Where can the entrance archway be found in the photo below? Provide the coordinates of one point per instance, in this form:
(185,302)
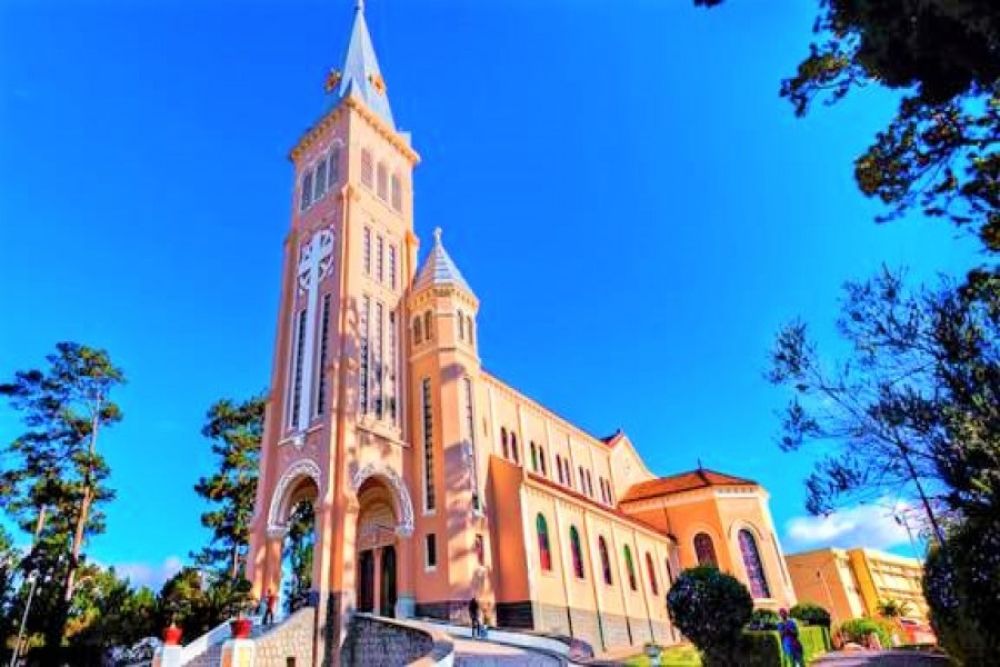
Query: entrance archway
(377,540)
(387,582)
(291,528)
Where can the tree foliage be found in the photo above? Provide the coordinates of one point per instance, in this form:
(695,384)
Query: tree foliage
(711,609)
(941,152)
(810,614)
(914,405)
(235,430)
(57,483)
(298,551)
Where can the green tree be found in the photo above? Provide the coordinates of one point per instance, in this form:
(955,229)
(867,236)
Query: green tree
(914,405)
(810,614)
(711,609)
(891,608)
(65,408)
(235,430)
(298,550)
(941,152)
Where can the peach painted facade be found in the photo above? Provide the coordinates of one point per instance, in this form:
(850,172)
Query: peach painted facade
(432,480)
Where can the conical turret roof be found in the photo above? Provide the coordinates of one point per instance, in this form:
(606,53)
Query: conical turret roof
(439,268)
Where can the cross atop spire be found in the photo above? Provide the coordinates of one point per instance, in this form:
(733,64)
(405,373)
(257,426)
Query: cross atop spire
(360,75)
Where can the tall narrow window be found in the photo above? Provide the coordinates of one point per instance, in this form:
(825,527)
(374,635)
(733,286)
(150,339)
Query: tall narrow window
(513,448)
(583,480)
(567,473)
(391,368)
(704,550)
(333,172)
(461,326)
(367,251)
(381,182)
(378,353)
(559,469)
(541,460)
(430,551)
(417,335)
(504,444)
(630,568)
(428,413)
(324,345)
(602,548)
(468,321)
(365,352)
(320,189)
(470,429)
(380,259)
(590,485)
(397,193)
(651,573)
(480,550)
(544,553)
(392,266)
(574,544)
(366,168)
(754,567)
(428,325)
(307,191)
(534,457)
(670,572)
(300,344)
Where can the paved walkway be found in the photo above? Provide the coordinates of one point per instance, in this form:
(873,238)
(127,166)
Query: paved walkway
(486,653)
(880,658)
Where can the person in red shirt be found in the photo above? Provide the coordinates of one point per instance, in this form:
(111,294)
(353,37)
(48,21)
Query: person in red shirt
(270,600)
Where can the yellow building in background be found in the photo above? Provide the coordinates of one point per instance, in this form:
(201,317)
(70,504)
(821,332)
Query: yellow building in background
(851,583)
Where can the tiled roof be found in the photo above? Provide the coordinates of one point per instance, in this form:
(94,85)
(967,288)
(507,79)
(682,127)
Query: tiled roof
(361,75)
(686,481)
(439,268)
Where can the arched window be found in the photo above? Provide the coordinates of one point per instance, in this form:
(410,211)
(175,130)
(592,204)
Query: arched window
(651,573)
(320,187)
(590,485)
(544,553)
(630,568)
(333,172)
(504,443)
(704,550)
(541,460)
(307,191)
(559,469)
(428,325)
(366,167)
(534,457)
(513,448)
(753,565)
(567,474)
(382,182)
(417,334)
(602,548)
(574,543)
(583,479)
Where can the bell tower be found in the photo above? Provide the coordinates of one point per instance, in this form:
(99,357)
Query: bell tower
(336,428)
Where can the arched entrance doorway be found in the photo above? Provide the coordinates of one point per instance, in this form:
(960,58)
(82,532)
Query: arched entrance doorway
(292,529)
(376,549)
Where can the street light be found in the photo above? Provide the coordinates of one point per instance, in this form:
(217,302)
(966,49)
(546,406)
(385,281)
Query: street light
(33,579)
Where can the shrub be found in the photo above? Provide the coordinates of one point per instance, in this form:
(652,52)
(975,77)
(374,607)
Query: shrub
(815,641)
(810,614)
(962,587)
(857,630)
(711,608)
(763,649)
(763,619)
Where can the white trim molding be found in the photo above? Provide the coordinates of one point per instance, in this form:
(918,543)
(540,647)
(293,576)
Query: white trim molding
(277,522)
(398,486)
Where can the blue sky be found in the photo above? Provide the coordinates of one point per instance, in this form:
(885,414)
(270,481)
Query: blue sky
(619,177)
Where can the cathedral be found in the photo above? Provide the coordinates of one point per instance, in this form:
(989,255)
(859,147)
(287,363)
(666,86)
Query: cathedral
(432,480)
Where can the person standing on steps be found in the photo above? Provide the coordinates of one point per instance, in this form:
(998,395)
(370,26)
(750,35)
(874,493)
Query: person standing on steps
(474,617)
(790,644)
(270,600)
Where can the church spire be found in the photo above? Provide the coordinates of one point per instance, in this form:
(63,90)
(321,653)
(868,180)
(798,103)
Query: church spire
(360,74)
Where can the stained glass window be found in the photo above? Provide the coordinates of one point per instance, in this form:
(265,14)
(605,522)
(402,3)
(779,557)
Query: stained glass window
(574,542)
(704,550)
(544,553)
(651,573)
(602,548)
(630,567)
(753,565)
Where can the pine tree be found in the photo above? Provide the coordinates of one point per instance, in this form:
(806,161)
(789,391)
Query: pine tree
(235,430)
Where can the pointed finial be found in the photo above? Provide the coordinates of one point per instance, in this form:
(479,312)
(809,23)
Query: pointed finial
(359,6)
(437,236)
(700,467)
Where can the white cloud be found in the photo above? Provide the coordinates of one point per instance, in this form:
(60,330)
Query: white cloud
(872,526)
(149,574)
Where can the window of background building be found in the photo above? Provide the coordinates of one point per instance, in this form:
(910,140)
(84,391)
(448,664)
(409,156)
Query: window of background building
(630,568)
(430,551)
(651,573)
(574,543)
(602,548)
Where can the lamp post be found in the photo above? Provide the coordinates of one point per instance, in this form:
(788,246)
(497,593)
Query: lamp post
(33,580)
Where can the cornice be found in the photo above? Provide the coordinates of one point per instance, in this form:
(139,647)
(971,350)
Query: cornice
(380,126)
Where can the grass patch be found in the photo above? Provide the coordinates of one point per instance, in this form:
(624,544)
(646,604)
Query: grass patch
(674,656)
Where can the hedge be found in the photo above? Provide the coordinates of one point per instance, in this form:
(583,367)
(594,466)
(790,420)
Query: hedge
(763,649)
(857,630)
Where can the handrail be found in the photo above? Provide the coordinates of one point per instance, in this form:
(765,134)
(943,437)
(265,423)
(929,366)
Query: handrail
(216,635)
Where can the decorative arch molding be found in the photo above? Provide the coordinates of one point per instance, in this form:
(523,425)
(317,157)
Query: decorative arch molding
(277,521)
(402,496)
